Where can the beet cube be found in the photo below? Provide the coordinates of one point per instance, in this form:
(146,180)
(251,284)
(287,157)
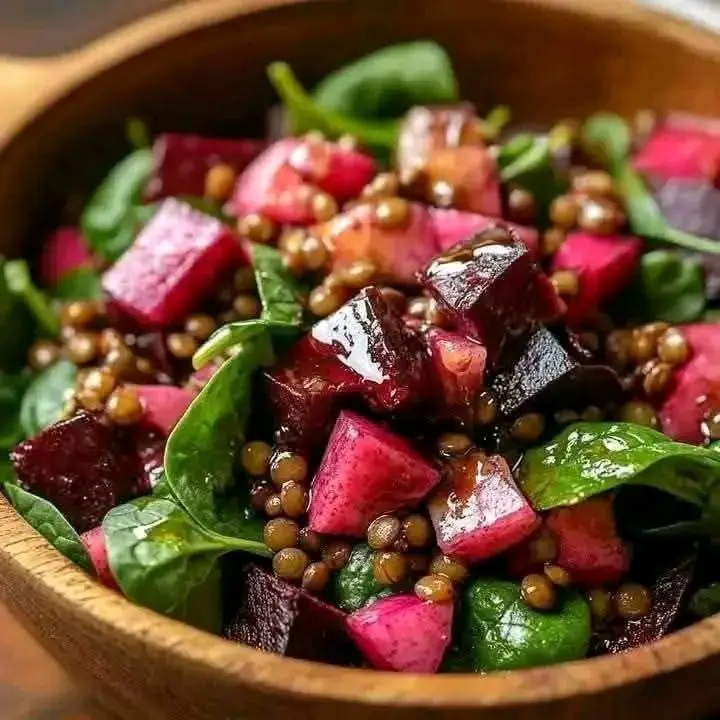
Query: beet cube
(182,161)
(173,264)
(492,286)
(64,250)
(478,511)
(277,617)
(81,466)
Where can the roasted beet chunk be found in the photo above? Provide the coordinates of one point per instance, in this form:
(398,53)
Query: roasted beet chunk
(280,618)
(81,466)
(492,286)
(363,351)
(537,372)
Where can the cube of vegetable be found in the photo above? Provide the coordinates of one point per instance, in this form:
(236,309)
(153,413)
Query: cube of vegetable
(163,405)
(64,250)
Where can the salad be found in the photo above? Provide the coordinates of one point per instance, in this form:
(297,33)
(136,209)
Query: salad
(400,386)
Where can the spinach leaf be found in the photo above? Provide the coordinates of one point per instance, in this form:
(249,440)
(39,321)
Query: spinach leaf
(355,584)
(514,148)
(388,82)
(20,284)
(113,215)
(47,396)
(495,121)
(83,283)
(671,286)
(12,390)
(501,632)
(17,326)
(44,517)
(201,450)
(162,559)
(305,114)
(590,458)
(607,137)
(706,601)
(138,134)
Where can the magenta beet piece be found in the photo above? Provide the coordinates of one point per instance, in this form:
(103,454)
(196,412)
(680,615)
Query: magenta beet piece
(365,351)
(164,405)
(63,251)
(399,254)
(277,617)
(80,466)
(604,266)
(403,633)
(182,162)
(94,541)
(366,471)
(492,286)
(478,511)
(689,205)
(537,372)
(454,227)
(694,395)
(173,264)
(458,364)
(149,447)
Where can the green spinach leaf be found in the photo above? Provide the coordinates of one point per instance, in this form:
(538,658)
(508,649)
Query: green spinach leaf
(44,517)
(17,326)
(12,390)
(388,82)
(138,134)
(47,396)
(355,584)
(115,212)
(590,458)
(20,284)
(706,601)
(83,283)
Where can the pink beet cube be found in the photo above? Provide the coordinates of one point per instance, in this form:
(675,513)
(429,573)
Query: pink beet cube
(64,250)
(183,160)
(403,633)
(478,511)
(173,264)
(604,266)
(366,471)
(164,405)
(94,541)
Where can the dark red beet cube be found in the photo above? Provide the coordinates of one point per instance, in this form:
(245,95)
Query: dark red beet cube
(281,618)
(81,466)
(492,286)
(173,264)
(183,160)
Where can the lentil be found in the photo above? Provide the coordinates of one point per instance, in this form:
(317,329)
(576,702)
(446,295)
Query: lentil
(324,300)
(558,576)
(600,217)
(455,570)
(418,307)
(78,313)
(656,377)
(389,568)
(521,206)
(182,345)
(564,212)
(632,600)
(528,427)
(392,212)
(672,347)
(100,382)
(123,406)
(565,282)
(294,498)
(453,444)
(358,275)
(290,564)
(280,533)
(43,354)
(594,182)
(552,240)
(120,360)
(640,413)
(435,588)
(244,280)
(486,408)
(273,506)
(219,182)
(314,253)
(336,554)
(543,546)
(310,541)
(257,228)
(315,577)
(255,458)
(383,532)
(82,348)
(259,494)
(287,467)
(538,592)
(200,326)
(417,530)
(324,207)
(642,346)
(247,307)
(600,604)
(592,413)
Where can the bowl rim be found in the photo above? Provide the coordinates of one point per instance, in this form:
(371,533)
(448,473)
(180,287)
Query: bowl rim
(59,580)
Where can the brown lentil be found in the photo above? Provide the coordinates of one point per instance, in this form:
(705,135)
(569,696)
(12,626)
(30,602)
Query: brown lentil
(435,589)
(418,307)
(437,315)
(450,444)
(618,348)
(592,413)
(123,406)
(383,532)
(259,494)
(82,348)
(639,412)
(656,377)
(632,600)
(200,326)
(256,227)
(528,427)
(290,564)
(89,400)
(538,592)
(389,568)
(42,354)
(294,498)
(600,217)
(383,185)
(182,345)
(552,240)
(273,506)
(120,360)
(455,570)
(543,546)
(655,330)
(324,300)
(563,417)
(255,458)
(336,554)
(100,382)
(287,467)
(521,206)
(358,275)
(109,339)
(565,282)
(244,280)
(558,575)
(78,313)
(310,541)
(594,182)
(324,207)
(280,533)
(486,408)
(642,346)
(417,530)
(564,212)
(246,307)
(315,577)
(672,347)
(392,212)
(600,604)
(219,182)
(314,253)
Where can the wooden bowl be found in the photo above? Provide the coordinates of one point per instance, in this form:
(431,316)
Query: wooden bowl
(201,66)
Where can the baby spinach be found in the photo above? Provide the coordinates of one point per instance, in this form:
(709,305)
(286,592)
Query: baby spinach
(706,601)
(12,390)
(608,138)
(164,560)
(138,134)
(500,632)
(83,283)
(20,284)
(589,458)
(114,213)
(47,396)
(44,517)
(17,326)
(355,584)
(388,82)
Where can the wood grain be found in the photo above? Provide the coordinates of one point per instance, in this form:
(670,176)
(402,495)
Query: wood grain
(202,67)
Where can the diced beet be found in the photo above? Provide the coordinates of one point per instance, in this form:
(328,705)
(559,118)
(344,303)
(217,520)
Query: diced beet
(173,264)
(604,265)
(364,351)
(366,471)
(277,617)
(63,251)
(81,466)
(163,405)
(689,205)
(94,541)
(679,152)
(340,172)
(200,378)
(149,446)
(399,254)
(459,368)
(181,162)
(536,372)
(492,286)
(478,511)
(403,633)
(694,395)
(588,545)
(454,227)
